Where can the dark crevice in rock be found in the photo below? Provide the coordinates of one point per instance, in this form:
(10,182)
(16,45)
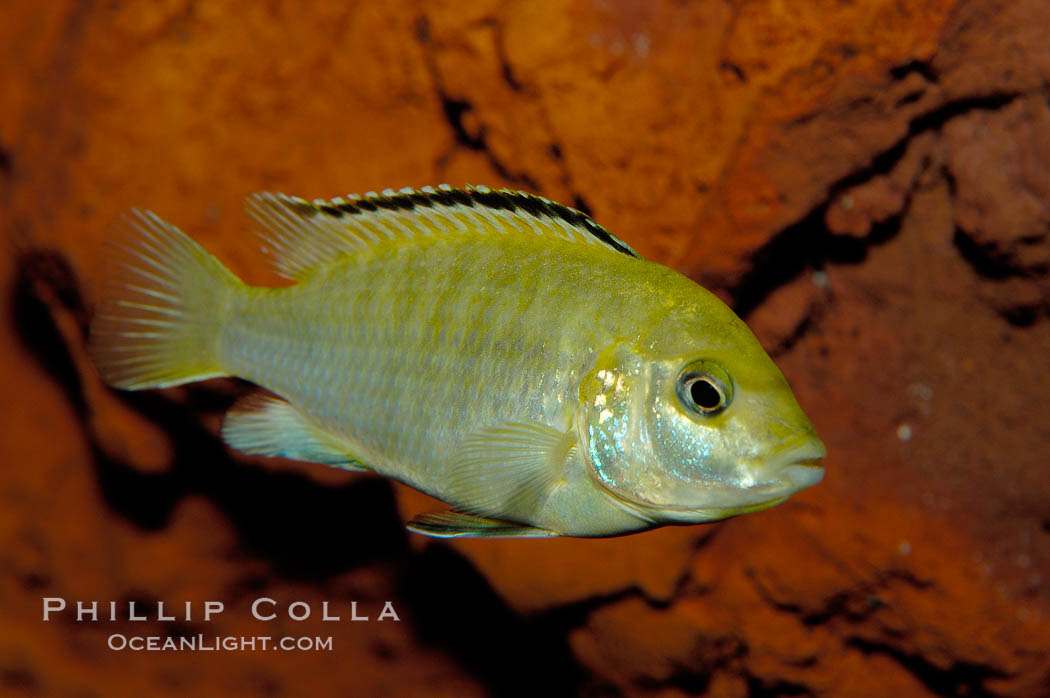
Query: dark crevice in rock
(985,259)
(884,162)
(997,267)
(933,120)
(756,688)
(951,181)
(846,249)
(809,322)
(809,244)
(6,163)
(574,613)
(706,658)
(910,98)
(853,604)
(784,257)
(961,679)
(685,583)
(508,75)
(926,70)
(1021,315)
(45,275)
(766,596)
(734,70)
(859,603)
(455,109)
(836,606)
(506,69)
(691,682)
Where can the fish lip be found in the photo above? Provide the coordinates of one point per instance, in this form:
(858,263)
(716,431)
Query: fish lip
(798,466)
(803,474)
(808,453)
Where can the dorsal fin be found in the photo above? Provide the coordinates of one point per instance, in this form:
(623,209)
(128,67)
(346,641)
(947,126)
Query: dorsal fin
(303,235)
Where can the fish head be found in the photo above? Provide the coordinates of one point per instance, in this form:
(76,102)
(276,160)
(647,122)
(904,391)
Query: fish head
(685,427)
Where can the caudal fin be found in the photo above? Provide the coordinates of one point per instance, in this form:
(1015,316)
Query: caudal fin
(162,309)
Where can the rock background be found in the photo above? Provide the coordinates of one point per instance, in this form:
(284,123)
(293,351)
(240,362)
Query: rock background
(867,182)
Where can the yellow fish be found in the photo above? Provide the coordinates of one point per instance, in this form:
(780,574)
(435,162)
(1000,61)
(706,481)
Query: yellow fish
(494,349)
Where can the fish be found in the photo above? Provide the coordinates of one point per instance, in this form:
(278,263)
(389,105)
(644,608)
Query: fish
(496,350)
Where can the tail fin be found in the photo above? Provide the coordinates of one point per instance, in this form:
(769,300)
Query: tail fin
(162,310)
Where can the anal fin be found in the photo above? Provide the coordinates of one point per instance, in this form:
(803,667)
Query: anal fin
(269,426)
(454,524)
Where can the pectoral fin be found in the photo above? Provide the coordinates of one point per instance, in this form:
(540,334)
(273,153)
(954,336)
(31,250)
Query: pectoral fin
(509,470)
(454,524)
(269,426)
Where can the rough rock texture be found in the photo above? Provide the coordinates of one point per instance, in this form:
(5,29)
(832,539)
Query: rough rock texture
(868,182)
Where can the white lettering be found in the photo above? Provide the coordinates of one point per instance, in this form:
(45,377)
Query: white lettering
(131,613)
(324,612)
(50,606)
(353,612)
(211,607)
(388,612)
(82,610)
(117,642)
(305,613)
(160,612)
(255,608)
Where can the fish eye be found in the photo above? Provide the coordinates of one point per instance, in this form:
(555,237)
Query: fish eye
(704,388)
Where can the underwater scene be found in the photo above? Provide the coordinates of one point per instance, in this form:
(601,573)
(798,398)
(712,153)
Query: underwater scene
(574,348)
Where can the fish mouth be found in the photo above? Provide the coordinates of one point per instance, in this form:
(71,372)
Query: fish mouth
(799,467)
(803,474)
(787,471)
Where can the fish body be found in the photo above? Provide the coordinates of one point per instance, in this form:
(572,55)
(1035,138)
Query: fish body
(496,350)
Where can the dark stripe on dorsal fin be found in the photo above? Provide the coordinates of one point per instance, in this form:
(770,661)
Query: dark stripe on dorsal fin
(539,207)
(303,235)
